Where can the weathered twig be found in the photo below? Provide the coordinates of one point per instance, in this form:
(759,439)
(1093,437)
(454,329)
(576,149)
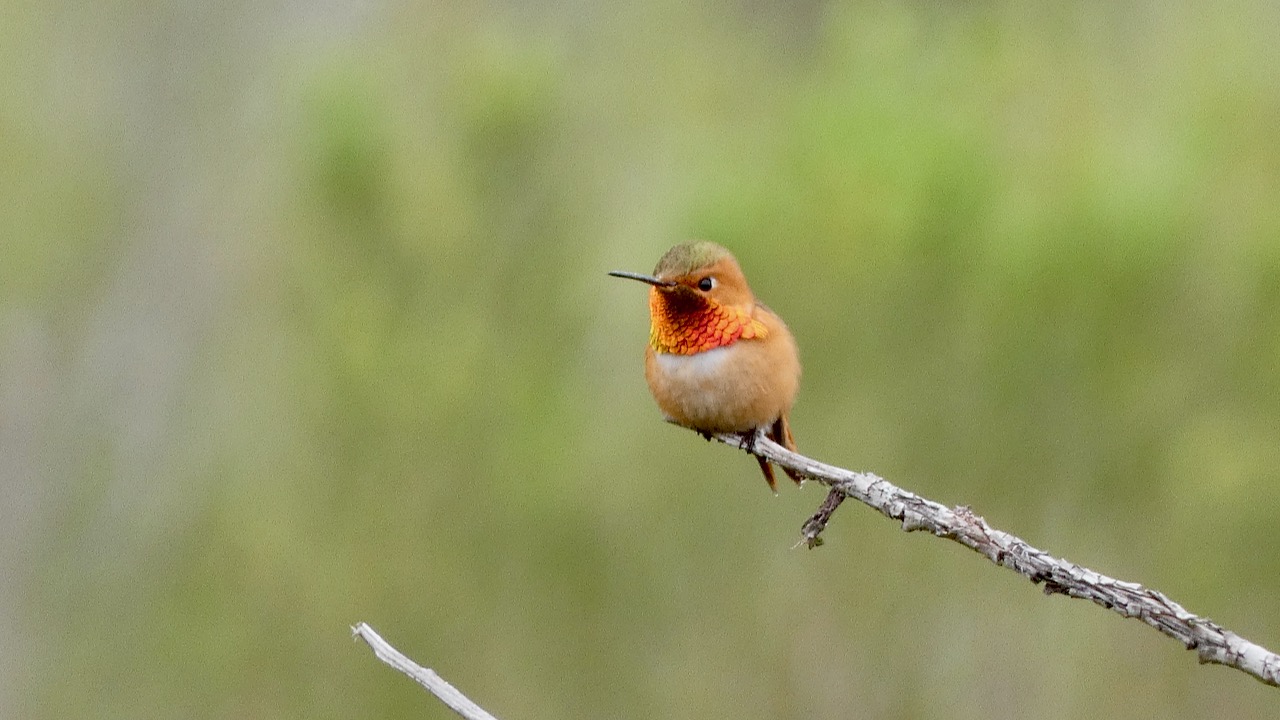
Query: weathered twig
(1212,642)
(425,677)
(811,531)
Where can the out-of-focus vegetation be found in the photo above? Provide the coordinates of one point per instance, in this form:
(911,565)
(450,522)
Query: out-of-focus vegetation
(304,321)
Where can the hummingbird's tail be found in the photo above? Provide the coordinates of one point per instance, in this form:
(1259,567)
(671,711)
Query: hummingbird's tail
(767,469)
(782,436)
(779,432)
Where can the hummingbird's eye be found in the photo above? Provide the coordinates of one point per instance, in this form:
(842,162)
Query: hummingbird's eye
(706,283)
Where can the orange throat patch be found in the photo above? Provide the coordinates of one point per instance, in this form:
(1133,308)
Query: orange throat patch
(684,326)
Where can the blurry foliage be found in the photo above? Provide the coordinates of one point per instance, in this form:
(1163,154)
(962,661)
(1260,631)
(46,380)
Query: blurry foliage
(1030,254)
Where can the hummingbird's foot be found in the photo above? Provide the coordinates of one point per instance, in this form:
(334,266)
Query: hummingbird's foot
(705,435)
(749,438)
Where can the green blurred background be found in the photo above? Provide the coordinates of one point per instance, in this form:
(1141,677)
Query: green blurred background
(304,321)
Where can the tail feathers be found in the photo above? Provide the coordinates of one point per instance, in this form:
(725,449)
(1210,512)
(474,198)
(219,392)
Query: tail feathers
(782,436)
(767,469)
(779,432)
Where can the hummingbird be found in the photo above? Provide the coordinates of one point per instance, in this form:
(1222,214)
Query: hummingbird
(719,360)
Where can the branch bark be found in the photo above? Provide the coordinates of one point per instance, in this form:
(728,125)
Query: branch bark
(1212,642)
(425,677)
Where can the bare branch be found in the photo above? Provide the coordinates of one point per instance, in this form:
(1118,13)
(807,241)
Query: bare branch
(1212,642)
(425,677)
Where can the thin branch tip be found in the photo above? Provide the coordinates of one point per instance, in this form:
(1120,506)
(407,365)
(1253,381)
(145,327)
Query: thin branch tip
(425,677)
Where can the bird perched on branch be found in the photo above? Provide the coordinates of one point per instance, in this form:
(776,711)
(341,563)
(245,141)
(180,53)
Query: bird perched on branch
(718,360)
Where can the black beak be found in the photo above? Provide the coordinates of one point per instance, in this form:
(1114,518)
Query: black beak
(643,278)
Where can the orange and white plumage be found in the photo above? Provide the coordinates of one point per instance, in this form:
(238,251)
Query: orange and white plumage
(718,360)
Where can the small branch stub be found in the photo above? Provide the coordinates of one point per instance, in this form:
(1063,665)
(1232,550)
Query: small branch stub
(811,531)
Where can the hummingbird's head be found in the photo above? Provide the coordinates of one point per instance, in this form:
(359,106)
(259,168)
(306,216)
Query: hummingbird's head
(694,274)
(699,299)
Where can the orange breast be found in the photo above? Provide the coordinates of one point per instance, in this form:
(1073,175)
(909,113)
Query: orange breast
(684,327)
(745,383)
